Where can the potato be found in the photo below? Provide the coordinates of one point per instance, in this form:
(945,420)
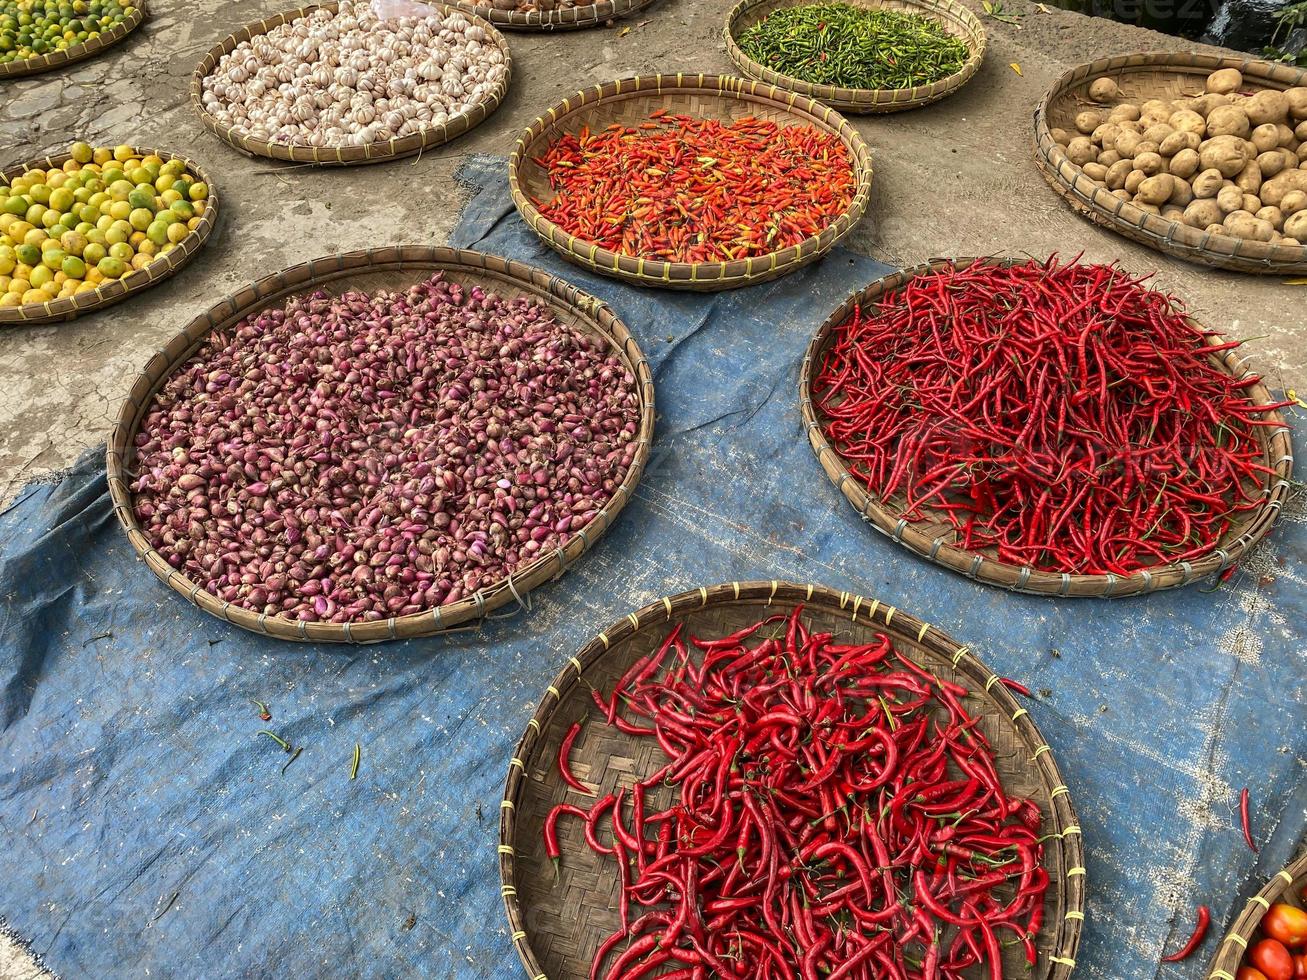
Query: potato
(1200,214)
(1297,101)
(1205,104)
(1133,180)
(1229,199)
(1146,146)
(1289,241)
(1274,215)
(1145,206)
(1123,113)
(1225,81)
(1300,131)
(1249,179)
(1122,194)
(1117,173)
(1149,163)
(1289,136)
(1207,183)
(1251,203)
(1173,213)
(1060,136)
(1267,106)
(1295,226)
(1157,132)
(1081,150)
(1302,152)
(1104,90)
(1156,189)
(1265,137)
(1088,121)
(1126,141)
(1180,139)
(1241,224)
(1109,157)
(1095,171)
(1273,190)
(1217,229)
(1131,125)
(1187,121)
(1184,164)
(1228,120)
(1293,202)
(1105,135)
(1181,194)
(1270,163)
(1227,156)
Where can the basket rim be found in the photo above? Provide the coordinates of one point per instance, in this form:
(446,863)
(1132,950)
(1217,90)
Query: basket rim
(894,621)
(1086,195)
(115,290)
(554,20)
(78,52)
(344,155)
(551,290)
(864,99)
(983,568)
(656,272)
(1233,946)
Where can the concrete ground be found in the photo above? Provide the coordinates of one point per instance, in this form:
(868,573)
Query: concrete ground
(957,178)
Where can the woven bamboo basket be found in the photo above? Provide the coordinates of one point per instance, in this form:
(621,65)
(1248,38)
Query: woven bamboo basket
(953,16)
(556,928)
(1287,886)
(1157,75)
(344,156)
(115,290)
(629,101)
(77,52)
(389,267)
(571,19)
(934,538)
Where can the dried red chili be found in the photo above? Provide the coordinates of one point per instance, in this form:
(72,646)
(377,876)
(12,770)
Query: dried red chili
(683,189)
(1065,416)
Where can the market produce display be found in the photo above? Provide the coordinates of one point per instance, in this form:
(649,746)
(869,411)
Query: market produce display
(1281,952)
(834,810)
(852,46)
(370,455)
(1223,162)
(340,76)
(102,215)
(1060,416)
(684,189)
(36,28)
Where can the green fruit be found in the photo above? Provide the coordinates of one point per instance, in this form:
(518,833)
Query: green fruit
(157,232)
(184,210)
(140,218)
(15,205)
(81,152)
(141,199)
(28,254)
(111,268)
(61,199)
(199,192)
(73,267)
(53,258)
(121,251)
(94,252)
(40,193)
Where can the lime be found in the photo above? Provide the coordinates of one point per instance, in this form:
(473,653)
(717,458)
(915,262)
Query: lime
(120,190)
(53,259)
(7,260)
(81,152)
(111,268)
(40,193)
(183,209)
(41,275)
(177,232)
(35,213)
(118,232)
(120,210)
(141,199)
(121,251)
(157,232)
(94,252)
(73,267)
(140,218)
(73,242)
(35,237)
(199,191)
(15,205)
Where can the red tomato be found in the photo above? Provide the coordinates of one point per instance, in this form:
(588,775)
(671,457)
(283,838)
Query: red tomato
(1272,959)
(1300,967)
(1248,973)
(1286,923)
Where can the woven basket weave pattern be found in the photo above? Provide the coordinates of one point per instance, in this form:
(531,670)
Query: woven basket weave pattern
(629,102)
(954,17)
(388,267)
(1287,886)
(935,539)
(344,156)
(1157,75)
(571,19)
(115,290)
(557,928)
(77,52)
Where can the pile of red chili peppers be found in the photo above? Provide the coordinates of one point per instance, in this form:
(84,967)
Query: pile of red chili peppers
(832,811)
(1066,416)
(682,189)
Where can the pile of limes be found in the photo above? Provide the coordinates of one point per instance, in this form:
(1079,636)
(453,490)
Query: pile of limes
(102,215)
(30,28)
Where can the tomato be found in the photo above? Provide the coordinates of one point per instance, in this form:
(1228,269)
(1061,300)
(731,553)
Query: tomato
(1300,967)
(1272,959)
(1286,923)
(1248,973)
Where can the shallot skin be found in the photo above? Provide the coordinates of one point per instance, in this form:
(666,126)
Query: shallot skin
(359,457)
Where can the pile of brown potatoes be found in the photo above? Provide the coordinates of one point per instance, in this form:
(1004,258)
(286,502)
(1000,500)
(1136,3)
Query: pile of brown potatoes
(1225,162)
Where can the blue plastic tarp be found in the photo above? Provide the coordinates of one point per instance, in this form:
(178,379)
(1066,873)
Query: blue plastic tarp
(147,830)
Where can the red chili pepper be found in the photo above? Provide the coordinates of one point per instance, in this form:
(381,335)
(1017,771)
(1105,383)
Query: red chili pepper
(1017,686)
(564,766)
(1195,939)
(1244,820)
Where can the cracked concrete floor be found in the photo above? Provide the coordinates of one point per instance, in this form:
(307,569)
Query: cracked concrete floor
(954,179)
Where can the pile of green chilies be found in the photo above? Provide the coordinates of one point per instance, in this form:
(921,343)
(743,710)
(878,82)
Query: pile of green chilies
(854,47)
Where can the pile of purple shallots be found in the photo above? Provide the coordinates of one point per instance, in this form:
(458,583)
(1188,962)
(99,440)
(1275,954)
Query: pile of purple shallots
(365,456)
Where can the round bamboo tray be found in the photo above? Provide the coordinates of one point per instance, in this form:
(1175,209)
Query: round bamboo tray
(630,101)
(1157,75)
(344,156)
(556,928)
(384,268)
(951,15)
(115,290)
(934,538)
(78,52)
(574,18)
(1285,887)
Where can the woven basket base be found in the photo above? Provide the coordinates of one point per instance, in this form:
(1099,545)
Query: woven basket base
(573,19)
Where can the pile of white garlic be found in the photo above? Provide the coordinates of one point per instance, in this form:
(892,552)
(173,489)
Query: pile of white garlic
(349,78)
